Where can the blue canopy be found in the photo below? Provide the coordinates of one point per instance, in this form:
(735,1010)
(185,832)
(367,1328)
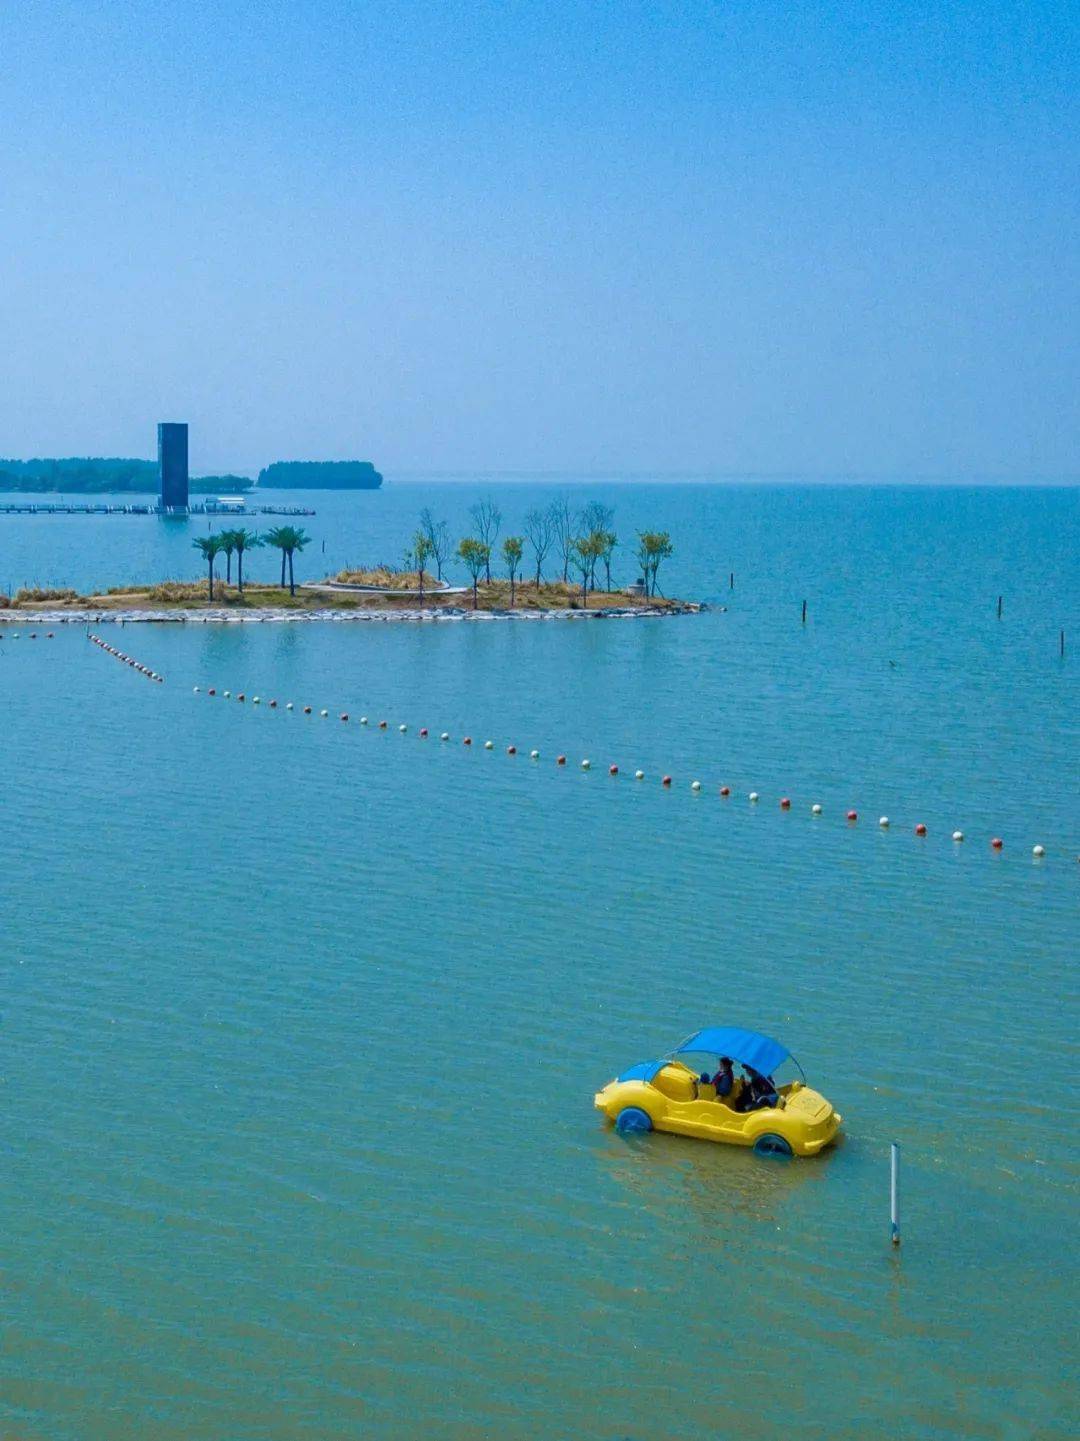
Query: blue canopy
(748,1047)
(643,1071)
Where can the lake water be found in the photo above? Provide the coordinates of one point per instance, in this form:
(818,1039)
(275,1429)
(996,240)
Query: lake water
(302,1021)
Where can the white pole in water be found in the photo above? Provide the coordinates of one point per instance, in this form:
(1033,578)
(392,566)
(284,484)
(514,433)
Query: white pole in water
(894,1228)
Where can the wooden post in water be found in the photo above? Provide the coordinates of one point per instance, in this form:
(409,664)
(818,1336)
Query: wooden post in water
(1000,599)
(894,1194)
(804,612)
(731,581)
(1062,640)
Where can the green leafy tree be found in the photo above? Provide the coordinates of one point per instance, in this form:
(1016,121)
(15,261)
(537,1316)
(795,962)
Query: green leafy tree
(243,541)
(210,548)
(595,519)
(584,554)
(423,550)
(288,539)
(654,546)
(513,548)
(476,555)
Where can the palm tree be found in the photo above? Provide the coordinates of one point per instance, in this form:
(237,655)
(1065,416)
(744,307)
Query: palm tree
(287,539)
(243,540)
(275,540)
(228,546)
(211,547)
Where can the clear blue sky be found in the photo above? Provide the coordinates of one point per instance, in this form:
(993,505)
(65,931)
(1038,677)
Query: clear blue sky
(749,237)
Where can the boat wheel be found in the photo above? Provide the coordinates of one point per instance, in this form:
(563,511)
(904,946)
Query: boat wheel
(772,1145)
(632,1121)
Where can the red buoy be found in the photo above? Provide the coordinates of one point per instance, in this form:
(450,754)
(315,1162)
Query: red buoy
(211,691)
(920,829)
(240,696)
(344,715)
(307,710)
(382,725)
(785,803)
(725,790)
(511,750)
(560,760)
(467,741)
(273,704)
(853,815)
(997,843)
(613,770)
(423,730)
(666,781)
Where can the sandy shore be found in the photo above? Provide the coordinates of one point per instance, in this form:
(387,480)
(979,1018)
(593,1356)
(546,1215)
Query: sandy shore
(26,616)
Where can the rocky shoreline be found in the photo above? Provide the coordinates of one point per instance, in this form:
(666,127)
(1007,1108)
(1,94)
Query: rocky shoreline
(228,616)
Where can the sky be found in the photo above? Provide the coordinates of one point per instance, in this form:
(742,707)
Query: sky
(741,239)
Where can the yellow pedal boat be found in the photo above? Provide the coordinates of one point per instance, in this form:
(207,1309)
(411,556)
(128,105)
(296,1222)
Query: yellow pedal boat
(667,1095)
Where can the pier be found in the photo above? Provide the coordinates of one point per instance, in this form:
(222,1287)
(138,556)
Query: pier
(31,507)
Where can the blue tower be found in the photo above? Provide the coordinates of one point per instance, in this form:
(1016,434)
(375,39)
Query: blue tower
(172,454)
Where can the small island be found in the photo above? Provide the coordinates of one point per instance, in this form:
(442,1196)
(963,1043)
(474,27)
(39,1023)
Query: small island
(578,547)
(333,599)
(320,475)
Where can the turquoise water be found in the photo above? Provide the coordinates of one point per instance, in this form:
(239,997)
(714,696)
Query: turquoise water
(302,1021)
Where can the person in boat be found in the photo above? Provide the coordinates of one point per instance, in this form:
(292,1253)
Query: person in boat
(724,1080)
(759,1091)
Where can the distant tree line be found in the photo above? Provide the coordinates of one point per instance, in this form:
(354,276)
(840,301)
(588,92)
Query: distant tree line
(85,475)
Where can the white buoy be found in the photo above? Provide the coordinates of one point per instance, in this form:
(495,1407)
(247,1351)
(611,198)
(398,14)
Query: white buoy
(324,713)
(884,823)
(254,700)
(1038,850)
(288,705)
(226,694)
(815,810)
(534,755)
(585,765)
(195,689)
(489,745)
(403,729)
(639,775)
(445,736)
(695,785)
(363,720)
(753,795)
(958,835)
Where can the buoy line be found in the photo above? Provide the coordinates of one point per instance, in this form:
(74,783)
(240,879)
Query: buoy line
(695,787)
(126,659)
